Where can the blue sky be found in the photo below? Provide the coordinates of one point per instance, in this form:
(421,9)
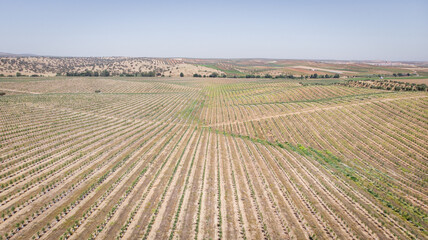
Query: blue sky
(308,29)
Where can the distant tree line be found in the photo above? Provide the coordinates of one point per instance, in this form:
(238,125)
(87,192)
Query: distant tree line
(291,76)
(148,74)
(388,75)
(386,85)
(315,75)
(18,74)
(106,73)
(401,74)
(212,75)
(87,73)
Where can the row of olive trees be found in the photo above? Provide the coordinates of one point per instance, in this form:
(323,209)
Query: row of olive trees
(290,76)
(106,73)
(87,73)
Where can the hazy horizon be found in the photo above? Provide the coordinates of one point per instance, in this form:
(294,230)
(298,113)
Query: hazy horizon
(220,58)
(315,30)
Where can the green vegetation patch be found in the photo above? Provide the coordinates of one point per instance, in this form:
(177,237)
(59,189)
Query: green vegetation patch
(375,183)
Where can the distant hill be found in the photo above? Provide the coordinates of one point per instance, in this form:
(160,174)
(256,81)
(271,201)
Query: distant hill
(3,54)
(116,66)
(31,64)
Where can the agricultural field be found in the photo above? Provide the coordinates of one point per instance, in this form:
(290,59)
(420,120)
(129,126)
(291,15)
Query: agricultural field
(297,68)
(210,158)
(39,66)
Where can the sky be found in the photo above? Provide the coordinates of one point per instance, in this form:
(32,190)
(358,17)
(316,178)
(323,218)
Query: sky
(388,30)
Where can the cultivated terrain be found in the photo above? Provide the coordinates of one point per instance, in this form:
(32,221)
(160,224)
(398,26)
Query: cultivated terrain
(11,65)
(211,158)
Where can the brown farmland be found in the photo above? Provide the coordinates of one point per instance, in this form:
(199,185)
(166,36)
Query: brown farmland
(210,158)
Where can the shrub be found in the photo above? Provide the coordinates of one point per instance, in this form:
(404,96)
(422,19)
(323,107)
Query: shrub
(213,75)
(421,87)
(105,73)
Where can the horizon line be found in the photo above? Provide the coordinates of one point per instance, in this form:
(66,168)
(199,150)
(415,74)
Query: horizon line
(7,54)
